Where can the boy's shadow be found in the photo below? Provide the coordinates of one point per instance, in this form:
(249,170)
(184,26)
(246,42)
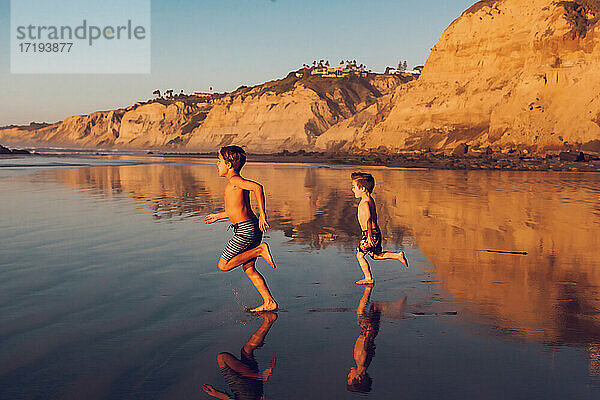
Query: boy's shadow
(364,348)
(242,375)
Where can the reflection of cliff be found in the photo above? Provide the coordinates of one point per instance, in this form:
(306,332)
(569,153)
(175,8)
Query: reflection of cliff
(551,295)
(166,191)
(312,206)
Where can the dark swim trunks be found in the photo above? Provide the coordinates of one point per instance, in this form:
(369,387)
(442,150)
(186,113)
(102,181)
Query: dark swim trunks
(243,388)
(246,235)
(364,247)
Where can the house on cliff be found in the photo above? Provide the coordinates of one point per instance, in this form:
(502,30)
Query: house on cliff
(341,72)
(393,71)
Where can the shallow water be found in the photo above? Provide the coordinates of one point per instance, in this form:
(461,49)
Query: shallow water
(109,287)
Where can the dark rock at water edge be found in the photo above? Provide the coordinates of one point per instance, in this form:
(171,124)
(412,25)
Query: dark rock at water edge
(4,150)
(15,151)
(572,156)
(460,150)
(474,159)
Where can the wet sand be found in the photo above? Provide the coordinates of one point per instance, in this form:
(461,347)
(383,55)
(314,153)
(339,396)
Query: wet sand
(109,287)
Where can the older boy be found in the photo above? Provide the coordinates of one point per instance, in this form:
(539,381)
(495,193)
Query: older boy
(370,242)
(245,245)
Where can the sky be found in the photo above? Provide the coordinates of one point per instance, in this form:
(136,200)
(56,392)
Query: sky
(197,44)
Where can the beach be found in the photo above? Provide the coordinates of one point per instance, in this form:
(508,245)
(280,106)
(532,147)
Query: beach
(110,288)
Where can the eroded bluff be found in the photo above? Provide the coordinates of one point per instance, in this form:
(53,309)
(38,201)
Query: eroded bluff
(285,114)
(505,74)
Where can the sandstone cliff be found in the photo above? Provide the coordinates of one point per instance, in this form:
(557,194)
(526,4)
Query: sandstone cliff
(506,73)
(285,114)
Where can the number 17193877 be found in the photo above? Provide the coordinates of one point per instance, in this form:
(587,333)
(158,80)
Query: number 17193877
(62,47)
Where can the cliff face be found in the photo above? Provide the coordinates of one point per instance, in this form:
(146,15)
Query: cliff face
(83,130)
(286,114)
(506,73)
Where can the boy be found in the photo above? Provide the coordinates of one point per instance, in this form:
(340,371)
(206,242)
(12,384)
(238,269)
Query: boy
(370,242)
(245,245)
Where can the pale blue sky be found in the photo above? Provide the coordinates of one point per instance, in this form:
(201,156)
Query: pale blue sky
(226,43)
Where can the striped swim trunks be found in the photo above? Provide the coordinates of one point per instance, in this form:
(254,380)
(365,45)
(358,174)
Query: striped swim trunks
(246,236)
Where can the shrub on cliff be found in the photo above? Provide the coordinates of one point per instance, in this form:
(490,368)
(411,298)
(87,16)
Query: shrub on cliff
(576,14)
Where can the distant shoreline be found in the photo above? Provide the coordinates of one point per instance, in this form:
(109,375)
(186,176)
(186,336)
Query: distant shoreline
(494,161)
(566,161)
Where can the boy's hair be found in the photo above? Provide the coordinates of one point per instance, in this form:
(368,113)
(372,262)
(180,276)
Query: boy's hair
(364,181)
(234,155)
(361,384)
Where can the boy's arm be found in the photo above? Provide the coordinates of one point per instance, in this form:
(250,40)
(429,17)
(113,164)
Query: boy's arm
(248,372)
(215,393)
(259,194)
(210,218)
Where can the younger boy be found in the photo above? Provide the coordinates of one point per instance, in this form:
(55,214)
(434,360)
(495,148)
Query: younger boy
(370,242)
(245,245)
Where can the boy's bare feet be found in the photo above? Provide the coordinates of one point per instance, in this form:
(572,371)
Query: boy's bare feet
(267,306)
(402,259)
(265,253)
(269,316)
(365,282)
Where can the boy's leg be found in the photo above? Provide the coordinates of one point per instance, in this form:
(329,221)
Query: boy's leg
(386,255)
(257,339)
(364,265)
(262,250)
(269,303)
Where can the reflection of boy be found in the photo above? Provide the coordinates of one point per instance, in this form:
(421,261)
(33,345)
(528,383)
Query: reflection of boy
(242,375)
(370,242)
(245,245)
(364,348)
